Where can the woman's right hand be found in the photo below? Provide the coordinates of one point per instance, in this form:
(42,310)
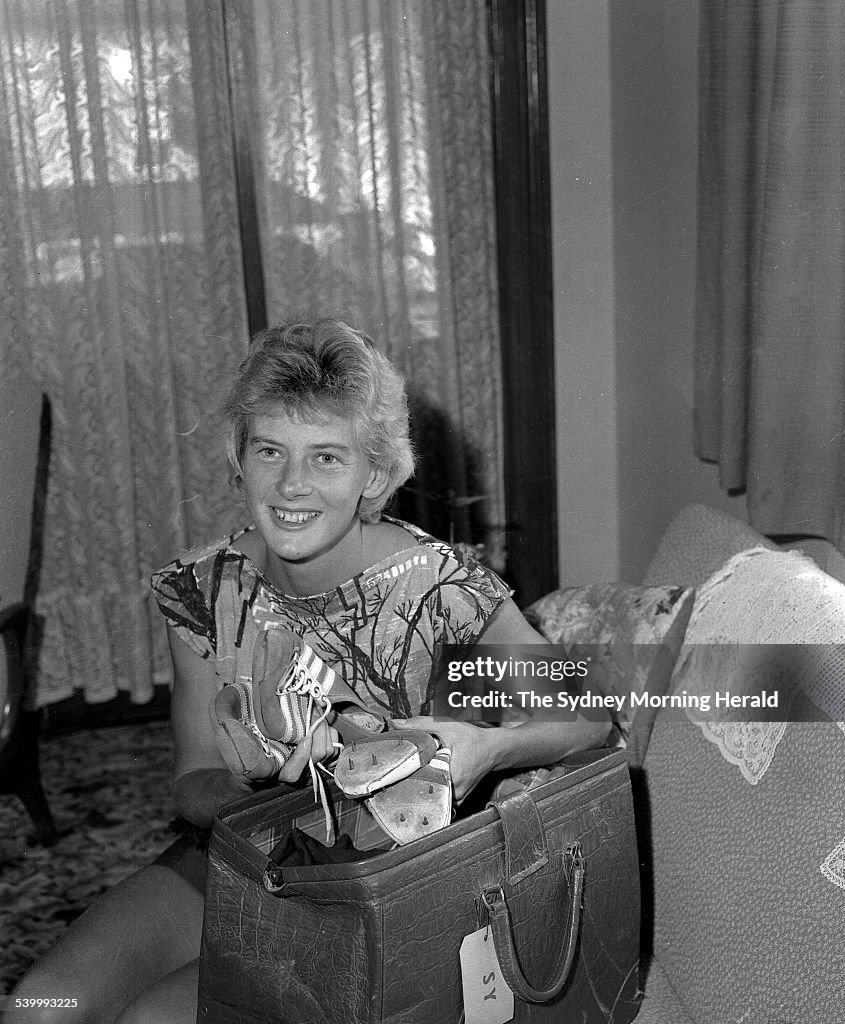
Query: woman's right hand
(253,732)
(319,746)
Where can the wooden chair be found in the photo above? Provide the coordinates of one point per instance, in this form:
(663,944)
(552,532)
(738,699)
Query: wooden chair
(24,446)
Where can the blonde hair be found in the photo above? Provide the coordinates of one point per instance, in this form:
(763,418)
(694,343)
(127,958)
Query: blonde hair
(320,366)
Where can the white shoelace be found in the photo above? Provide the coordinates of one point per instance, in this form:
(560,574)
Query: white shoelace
(298,680)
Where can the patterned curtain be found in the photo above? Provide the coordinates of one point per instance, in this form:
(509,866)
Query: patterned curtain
(120,293)
(121,271)
(376,201)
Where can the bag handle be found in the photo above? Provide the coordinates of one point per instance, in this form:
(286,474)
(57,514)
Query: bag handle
(526,850)
(500,925)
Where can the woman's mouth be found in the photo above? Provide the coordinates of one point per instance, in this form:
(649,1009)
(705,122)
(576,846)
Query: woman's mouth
(294,518)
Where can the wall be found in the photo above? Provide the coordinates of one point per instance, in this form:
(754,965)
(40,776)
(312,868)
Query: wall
(582,250)
(623,108)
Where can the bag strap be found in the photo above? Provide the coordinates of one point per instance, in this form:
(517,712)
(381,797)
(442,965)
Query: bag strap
(500,925)
(525,839)
(526,850)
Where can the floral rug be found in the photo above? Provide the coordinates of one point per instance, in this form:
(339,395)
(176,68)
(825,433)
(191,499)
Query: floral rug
(109,791)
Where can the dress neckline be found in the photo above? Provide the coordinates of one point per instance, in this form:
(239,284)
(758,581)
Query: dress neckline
(419,538)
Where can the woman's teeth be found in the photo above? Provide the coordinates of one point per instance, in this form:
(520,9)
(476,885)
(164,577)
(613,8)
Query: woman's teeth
(295,517)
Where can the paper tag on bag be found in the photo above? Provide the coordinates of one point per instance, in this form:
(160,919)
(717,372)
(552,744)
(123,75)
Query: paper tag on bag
(487,999)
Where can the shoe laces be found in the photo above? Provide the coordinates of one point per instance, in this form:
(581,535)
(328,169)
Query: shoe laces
(300,680)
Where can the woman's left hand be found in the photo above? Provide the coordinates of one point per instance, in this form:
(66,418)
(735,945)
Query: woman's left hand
(472,749)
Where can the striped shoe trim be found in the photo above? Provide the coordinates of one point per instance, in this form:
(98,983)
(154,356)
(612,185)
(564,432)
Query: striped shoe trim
(317,669)
(308,674)
(304,688)
(293,708)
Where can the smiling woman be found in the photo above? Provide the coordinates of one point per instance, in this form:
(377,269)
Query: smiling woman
(318,433)
(304,479)
(355,604)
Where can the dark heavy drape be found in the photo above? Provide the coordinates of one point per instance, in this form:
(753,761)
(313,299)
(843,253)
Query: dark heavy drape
(770,335)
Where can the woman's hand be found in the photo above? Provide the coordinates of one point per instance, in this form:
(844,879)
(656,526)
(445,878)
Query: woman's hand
(477,751)
(319,746)
(473,749)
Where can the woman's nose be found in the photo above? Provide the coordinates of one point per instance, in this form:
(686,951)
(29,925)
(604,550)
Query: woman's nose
(293,480)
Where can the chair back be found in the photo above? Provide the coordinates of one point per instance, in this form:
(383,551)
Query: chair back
(21,409)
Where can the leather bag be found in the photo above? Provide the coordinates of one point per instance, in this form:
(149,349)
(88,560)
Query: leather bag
(550,874)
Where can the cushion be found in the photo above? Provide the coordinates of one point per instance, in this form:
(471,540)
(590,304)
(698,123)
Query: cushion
(631,635)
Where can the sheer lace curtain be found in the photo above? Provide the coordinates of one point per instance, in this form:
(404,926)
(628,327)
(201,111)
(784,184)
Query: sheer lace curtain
(376,194)
(121,272)
(374,152)
(121,296)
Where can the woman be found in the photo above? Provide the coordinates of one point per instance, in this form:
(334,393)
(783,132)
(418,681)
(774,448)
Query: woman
(318,434)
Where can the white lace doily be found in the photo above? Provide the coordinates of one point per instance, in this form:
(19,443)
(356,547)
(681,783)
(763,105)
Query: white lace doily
(744,615)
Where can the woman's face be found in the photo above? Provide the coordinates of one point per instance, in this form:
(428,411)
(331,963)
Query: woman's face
(304,478)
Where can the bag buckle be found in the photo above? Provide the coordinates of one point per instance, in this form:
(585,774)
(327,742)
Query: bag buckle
(273,879)
(573,859)
(492,895)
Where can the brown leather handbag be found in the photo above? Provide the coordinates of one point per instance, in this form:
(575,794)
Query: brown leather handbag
(548,876)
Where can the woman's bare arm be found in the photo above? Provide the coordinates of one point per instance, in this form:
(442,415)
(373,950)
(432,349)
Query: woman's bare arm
(202,783)
(476,751)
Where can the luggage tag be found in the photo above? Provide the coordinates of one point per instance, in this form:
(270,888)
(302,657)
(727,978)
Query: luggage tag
(487,998)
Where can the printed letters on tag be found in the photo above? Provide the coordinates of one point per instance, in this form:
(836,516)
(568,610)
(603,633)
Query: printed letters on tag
(487,999)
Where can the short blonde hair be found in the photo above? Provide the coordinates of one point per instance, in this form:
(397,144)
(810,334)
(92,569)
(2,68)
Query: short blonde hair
(320,366)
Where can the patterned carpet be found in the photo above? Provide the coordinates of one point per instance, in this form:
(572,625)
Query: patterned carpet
(109,791)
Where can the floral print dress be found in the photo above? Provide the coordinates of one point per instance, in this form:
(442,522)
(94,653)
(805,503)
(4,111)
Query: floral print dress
(379,631)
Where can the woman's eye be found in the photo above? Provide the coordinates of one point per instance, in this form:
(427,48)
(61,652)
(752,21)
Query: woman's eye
(326,459)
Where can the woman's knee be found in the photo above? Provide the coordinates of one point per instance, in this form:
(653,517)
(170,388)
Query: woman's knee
(138,932)
(173,1000)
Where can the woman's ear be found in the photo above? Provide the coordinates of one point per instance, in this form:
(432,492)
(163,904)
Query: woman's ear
(376,482)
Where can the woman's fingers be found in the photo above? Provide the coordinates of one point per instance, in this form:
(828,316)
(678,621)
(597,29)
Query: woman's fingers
(470,747)
(316,747)
(323,742)
(296,763)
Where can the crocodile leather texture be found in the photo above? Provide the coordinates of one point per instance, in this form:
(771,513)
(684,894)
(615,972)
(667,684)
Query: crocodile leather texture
(377,941)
